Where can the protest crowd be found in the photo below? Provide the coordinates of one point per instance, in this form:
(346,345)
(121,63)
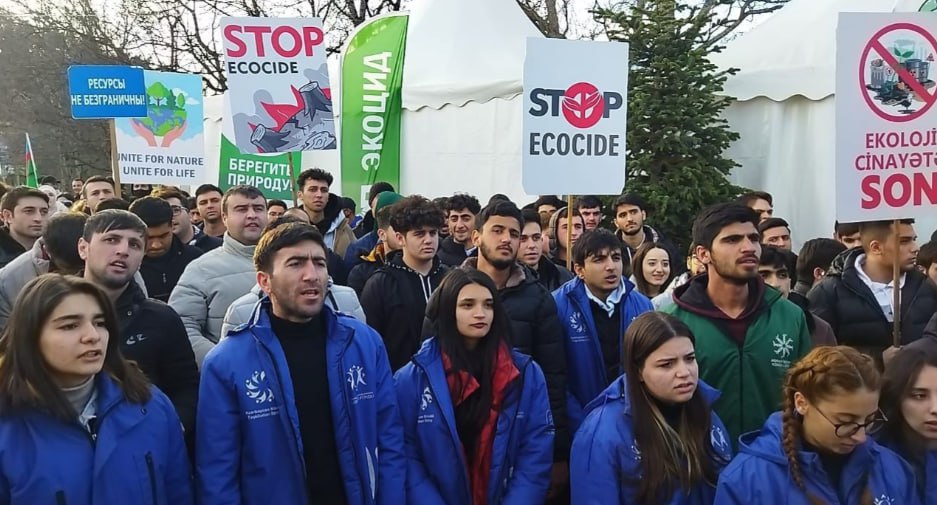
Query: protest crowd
(222,348)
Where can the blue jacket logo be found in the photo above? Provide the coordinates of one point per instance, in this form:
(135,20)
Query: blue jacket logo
(718,439)
(884,500)
(576,324)
(356,377)
(257,389)
(426,399)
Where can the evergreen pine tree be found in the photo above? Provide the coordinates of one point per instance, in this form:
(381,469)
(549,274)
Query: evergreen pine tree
(676,137)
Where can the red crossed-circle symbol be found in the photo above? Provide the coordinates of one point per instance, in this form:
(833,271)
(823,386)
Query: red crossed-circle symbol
(876,45)
(583,105)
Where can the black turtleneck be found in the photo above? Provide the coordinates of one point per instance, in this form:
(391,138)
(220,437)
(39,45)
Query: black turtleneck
(832,463)
(304,347)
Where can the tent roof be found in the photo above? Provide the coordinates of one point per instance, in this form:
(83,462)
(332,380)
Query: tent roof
(794,51)
(460,51)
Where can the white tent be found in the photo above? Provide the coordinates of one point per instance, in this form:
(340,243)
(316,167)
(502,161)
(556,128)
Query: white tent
(784,109)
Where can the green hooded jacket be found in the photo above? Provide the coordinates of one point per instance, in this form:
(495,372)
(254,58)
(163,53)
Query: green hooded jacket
(749,369)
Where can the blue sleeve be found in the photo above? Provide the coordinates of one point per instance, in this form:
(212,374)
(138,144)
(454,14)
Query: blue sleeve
(595,475)
(217,438)
(531,478)
(177,477)
(392,471)
(420,488)
(732,488)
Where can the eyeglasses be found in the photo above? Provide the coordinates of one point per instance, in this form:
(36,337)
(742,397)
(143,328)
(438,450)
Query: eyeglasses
(177,209)
(846,430)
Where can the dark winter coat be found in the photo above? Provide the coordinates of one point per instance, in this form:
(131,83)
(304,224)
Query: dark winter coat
(394,302)
(9,247)
(368,264)
(161,274)
(359,248)
(152,335)
(334,227)
(536,331)
(846,302)
(204,242)
(551,275)
(451,253)
(652,235)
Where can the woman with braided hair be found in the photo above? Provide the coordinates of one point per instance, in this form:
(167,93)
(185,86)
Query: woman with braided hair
(817,450)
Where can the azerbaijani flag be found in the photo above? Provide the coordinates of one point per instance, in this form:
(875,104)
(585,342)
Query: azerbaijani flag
(32,175)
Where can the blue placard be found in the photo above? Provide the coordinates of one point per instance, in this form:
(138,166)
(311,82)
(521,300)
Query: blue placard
(106,91)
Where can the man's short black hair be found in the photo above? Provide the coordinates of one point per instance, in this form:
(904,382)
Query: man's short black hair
(113,204)
(552,200)
(588,202)
(777,258)
(167,192)
(382,218)
(284,235)
(927,255)
(746,199)
(501,209)
(772,222)
(97,178)
(594,242)
(714,218)
(415,212)
(314,174)
(817,253)
(276,203)
(498,197)
(378,188)
(60,239)
(79,179)
(12,198)
(348,203)
(629,199)
(284,219)
(249,192)
(531,216)
(207,188)
(878,230)
(845,229)
(112,220)
(153,211)
(461,201)
(190,203)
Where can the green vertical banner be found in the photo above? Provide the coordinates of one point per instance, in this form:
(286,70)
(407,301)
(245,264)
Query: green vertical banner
(372,75)
(270,173)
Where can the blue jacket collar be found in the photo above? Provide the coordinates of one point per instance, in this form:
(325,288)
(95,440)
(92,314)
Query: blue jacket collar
(576,289)
(260,320)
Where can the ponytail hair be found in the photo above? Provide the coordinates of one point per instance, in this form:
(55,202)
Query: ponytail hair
(822,374)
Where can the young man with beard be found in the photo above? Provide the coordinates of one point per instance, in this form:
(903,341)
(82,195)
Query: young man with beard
(182,226)
(166,256)
(96,190)
(298,405)
(460,217)
(25,211)
(590,207)
(208,202)
(559,223)
(856,295)
(630,214)
(394,298)
(151,333)
(747,336)
(211,282)
(595,310)
(549,274)
(370,261)
(775,232)
(325,209)
(536,329)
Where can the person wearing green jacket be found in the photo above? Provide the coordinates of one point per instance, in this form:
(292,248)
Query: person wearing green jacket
(747,333)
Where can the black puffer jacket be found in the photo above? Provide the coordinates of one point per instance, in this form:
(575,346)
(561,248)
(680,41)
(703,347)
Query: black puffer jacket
(846,302)
(536,331)
(9,248)
(152,335)
(451,253)
(394,302)
(161,274)
(551,275)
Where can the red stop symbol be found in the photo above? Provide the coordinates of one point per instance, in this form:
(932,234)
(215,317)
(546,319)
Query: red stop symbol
(583,105)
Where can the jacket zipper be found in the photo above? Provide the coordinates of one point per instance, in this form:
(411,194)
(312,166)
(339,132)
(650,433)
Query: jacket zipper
(150,468)
(60,498)
(507,466)
(455,445)
(351,422)
(596,342)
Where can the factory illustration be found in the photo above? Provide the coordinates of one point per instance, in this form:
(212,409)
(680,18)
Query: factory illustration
(890,88)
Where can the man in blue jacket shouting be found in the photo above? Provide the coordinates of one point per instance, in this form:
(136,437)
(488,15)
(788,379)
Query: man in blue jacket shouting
(595,309)
(298,405)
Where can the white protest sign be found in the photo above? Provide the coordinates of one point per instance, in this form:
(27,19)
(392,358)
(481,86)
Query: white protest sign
(167,146)
(575,95)
(886,126)
(278,82)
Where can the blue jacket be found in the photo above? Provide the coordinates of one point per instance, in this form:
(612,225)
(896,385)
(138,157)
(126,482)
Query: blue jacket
(760,474)
(363,245)
(586,376)
(925,468)
(437,473)
(605,453)
(138,455)
(248,445)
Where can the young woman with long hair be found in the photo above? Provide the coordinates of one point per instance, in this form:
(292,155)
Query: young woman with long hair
(652,436)
(78,423)
(817,450)
(909,400)
(652,269)
(476,416)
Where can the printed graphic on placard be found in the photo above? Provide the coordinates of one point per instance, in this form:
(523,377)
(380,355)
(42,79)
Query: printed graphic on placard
(897,72)
(166,146)
(279,84)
